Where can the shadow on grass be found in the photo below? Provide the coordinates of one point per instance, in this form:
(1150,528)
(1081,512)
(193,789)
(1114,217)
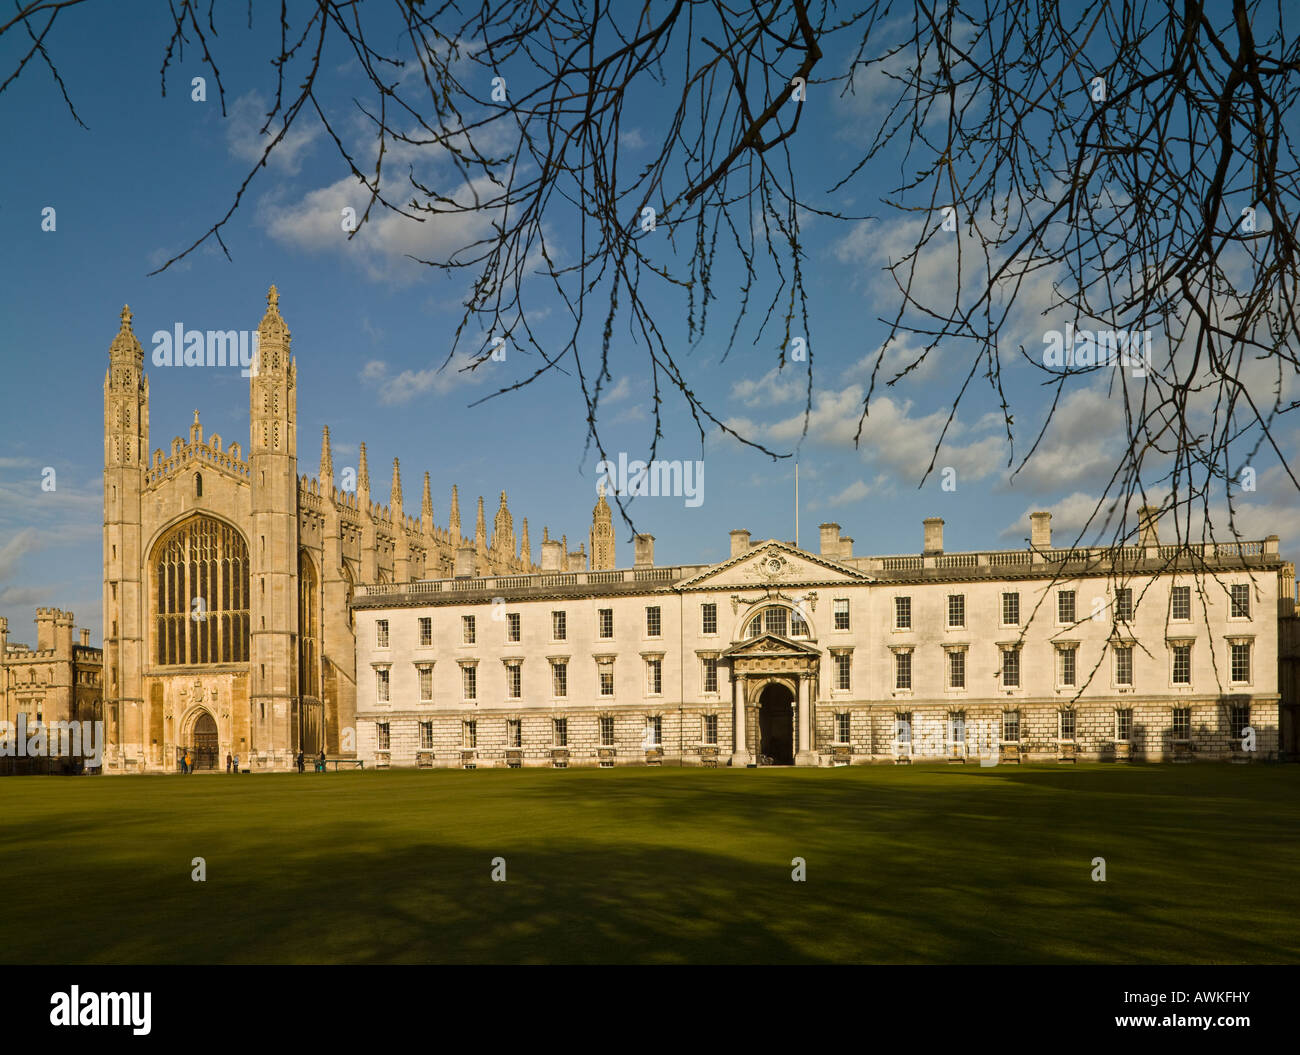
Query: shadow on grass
(928,865)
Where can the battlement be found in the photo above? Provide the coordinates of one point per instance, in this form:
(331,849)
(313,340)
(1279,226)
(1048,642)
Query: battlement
(23,653)
(210,454)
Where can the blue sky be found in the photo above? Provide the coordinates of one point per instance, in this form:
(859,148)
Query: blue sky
(370,330)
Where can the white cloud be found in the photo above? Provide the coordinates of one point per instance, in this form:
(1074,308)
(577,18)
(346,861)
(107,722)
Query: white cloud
(405,386)
(632,413)
(901,352)
(389,246)
(1082,446)
(860,245)
(1069,515)
(245,141)
(633,139)
(892,439)
(775,386)
(855,492)
(621,390)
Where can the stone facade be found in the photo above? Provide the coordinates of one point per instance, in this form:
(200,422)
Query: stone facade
(227,574)
(1142,652)
(57,681)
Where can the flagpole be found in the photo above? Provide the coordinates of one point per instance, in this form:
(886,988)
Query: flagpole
(796,505)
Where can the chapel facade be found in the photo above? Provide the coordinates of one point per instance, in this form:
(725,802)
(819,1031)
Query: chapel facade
(228,573)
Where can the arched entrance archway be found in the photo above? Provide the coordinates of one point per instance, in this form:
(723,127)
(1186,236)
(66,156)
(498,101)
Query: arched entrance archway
(776,725)
(203,741)
(772,679)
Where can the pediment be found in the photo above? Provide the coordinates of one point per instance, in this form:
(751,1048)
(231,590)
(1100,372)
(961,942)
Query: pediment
(774,563)
(770,645)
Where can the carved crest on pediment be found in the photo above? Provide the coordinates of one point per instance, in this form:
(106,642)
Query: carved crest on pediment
(771,568)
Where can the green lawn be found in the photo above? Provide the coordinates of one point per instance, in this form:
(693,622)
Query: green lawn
(922,864)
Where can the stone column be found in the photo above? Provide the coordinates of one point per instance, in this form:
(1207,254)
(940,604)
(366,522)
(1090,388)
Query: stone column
(806,756)
(740,756)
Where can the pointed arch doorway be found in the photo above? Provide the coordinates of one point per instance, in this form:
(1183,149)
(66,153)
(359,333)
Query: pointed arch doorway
(203,741)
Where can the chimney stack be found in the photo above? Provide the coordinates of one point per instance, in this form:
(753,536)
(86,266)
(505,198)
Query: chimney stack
(465,562)
(1147,517)
(1040,530)
(739,542)
(830,540)
(85,638)
(846,548)
(552,554)
(933,544)
(644,551)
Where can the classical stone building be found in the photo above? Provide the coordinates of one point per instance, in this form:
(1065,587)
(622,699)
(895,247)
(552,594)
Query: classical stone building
(57,681)
(227,573)
(780,655)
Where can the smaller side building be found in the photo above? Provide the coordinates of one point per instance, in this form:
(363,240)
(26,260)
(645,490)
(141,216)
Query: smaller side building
(60,680)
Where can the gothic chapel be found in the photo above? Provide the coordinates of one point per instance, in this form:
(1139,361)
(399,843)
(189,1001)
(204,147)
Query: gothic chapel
(228,576)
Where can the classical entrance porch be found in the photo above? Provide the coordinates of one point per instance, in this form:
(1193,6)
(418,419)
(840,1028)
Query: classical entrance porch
(773,684)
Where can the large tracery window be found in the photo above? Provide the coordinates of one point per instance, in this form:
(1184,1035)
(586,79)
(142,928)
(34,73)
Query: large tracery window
(308,625)
(200,589)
